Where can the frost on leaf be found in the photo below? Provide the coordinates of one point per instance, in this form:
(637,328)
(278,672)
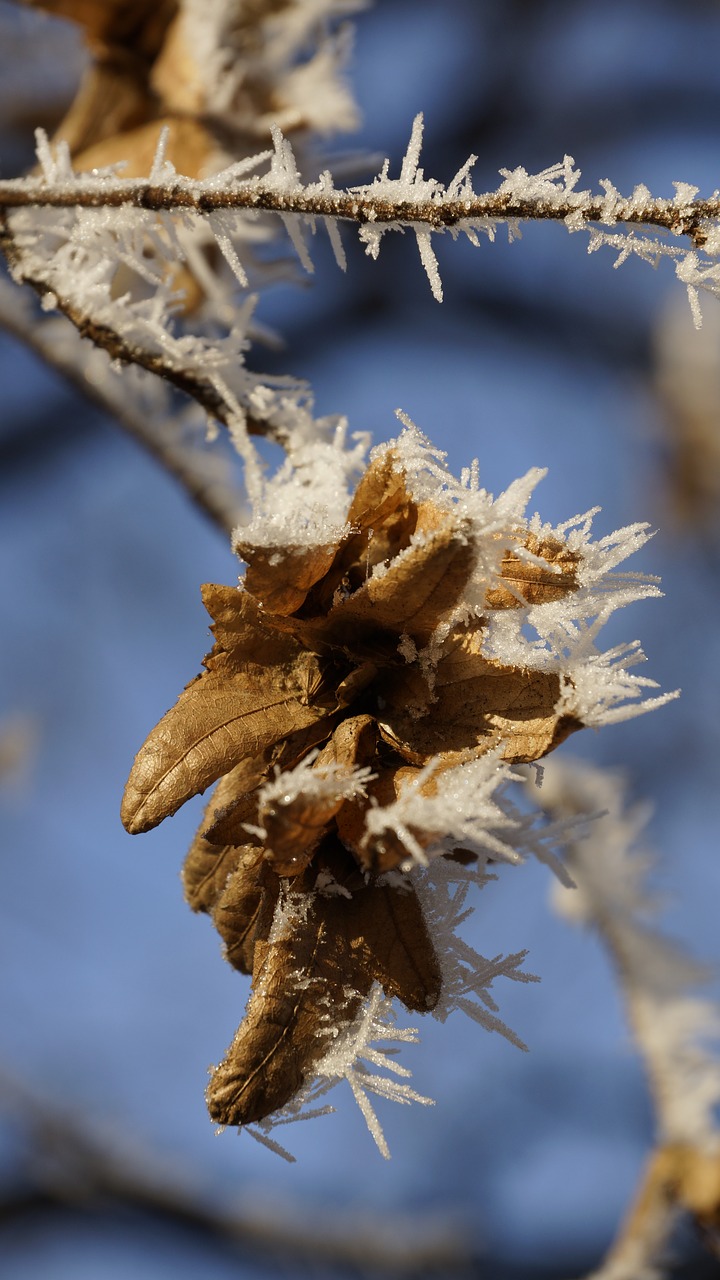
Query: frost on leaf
(361,720)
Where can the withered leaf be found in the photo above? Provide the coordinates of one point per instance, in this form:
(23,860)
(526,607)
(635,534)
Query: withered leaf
(375,855)
(420,586)
(381,493)
(396,944)
(477,703)
(234,802)
(352,743)
(533,583)
(381,521)
(309,979)
(294,826)
(206,870)
(281,577)
(249,897)
(306,983)
(213,855)
(241,626)
(218,719)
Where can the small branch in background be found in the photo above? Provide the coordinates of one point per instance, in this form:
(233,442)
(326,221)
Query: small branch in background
(203,391)
(672,1027)
(71,1163)
(197,475)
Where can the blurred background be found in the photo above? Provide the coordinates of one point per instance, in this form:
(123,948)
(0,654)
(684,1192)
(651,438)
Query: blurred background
(114,997)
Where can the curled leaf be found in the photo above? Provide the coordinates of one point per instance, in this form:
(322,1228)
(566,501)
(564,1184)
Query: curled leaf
(219,719)
(281,577)
(248,898)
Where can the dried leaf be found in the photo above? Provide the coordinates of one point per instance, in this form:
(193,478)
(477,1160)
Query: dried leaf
(206,870)
(221,717)
(322,955)
(240,625)
(213,856)
(381,520)
(281,577)
(396,945)
(306,983)
(249,897)
(530,583)
(420,587)
(294,829)
(234,803)
(375,855)
(295,824)
(477,703)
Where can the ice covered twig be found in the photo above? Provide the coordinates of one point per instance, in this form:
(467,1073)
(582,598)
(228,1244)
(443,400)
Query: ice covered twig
(676,1031)
(412,202)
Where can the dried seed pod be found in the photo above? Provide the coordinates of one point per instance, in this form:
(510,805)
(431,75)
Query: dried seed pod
(337,675)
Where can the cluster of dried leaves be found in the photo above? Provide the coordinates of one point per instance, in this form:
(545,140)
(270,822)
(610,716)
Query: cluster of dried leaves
(337,674)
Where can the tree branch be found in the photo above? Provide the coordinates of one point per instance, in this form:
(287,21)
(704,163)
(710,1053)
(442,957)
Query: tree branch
(685,217)
(217,500)
(205,391)
(73,1163)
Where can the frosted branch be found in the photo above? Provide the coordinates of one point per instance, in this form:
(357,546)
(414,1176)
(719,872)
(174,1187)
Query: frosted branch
(412,201)
(202,476)
(673,1027)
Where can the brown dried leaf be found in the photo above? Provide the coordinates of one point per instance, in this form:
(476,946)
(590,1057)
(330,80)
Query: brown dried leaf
(477,703)
(396,946)
(249,897)
(382,519)
(420,587)
(532,583)
(306,982)
(386,929)
(206,870)
(212,856)
(310,977)
(282,576)
(295,827)
(221,717)
(352,743)
(376,855)
(241,626)
(380,494)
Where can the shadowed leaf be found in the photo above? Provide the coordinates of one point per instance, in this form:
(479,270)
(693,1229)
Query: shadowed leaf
(249,896)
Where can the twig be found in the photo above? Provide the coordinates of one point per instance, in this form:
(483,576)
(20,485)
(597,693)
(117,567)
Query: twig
(672,1026)
(75,1166)
(218,501)
(680,218)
